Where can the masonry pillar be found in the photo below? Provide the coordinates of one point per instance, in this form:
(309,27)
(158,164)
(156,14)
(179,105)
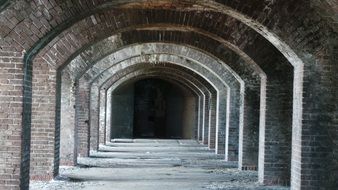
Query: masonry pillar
(82,118)
(232,139)
(102,114)
(249,135)
(212,111)
(275,137)
(67,141)
(200,118)
(15,140)
(196,118)
(315,143)
(108,114)
(205,131)
(44,134)
(94,117)
(222,113)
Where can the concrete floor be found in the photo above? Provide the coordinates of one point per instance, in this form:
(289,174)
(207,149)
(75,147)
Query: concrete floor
(149,164)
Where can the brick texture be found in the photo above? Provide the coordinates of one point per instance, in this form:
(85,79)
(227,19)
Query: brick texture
(294,43)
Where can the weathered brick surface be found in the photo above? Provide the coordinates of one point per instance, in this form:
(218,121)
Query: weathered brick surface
(93,108)
(82,118)
(200,117)
(316,148)
(11,153)
(212,123)
(43,121)
(207,118)
(302,27)
(67,128)
(222,122)
(102,116)
(250,135)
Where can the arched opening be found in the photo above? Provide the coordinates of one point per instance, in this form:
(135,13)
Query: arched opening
(283,53)
(152,108)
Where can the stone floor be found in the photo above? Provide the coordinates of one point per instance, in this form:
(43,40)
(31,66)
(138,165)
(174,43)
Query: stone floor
(149,164)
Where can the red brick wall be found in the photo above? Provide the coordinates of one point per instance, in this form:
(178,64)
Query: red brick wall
(11,80)
(43,121)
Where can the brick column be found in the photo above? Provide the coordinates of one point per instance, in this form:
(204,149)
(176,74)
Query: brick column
(275,137)
(14,157)
(249,135)
(94,117)
(222,112)
(232,140)
(212,111)
(200,117)
(315,143)
(82,118)
(197,114)
(108,114)
(102,130)
(68,152)
(44,134)
(205,131)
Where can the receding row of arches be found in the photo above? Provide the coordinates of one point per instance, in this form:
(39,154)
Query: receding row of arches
(247,79)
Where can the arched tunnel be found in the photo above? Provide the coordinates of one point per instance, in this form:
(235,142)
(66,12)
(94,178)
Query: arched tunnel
(189,94)
(153,108)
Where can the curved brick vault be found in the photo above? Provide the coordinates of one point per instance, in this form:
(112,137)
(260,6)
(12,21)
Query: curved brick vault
(278,56)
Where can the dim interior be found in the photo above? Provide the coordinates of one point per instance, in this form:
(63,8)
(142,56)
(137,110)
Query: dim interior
(152,108)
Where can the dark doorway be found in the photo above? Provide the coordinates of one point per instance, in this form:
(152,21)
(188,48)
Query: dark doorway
(158,108)
(153,108)
(122,112)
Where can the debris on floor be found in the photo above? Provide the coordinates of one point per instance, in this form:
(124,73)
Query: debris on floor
(153,165)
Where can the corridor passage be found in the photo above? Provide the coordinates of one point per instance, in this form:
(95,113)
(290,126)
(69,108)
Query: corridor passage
(153,164)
